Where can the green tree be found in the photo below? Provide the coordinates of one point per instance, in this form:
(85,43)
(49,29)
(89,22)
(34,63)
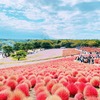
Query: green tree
(92,43)
(66,43)
(57,46)
(36,44)
(7,50)
(20,54)
(18,46)
(46,45)
(26,46)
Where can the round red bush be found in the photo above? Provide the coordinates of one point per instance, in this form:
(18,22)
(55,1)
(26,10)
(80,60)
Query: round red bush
(63,93)
(90,91)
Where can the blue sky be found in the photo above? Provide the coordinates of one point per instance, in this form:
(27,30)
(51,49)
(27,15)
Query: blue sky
(50,19)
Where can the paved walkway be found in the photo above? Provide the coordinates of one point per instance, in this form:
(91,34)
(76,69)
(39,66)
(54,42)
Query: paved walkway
(41,56)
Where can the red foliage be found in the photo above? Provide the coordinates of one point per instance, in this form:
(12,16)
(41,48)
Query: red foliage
(95,81)
(80,86)
(42,95)
(72,89)
(20,78)
(90,91)
(4,94)
(40,89)
(50,85)
(63,93)
(74,75)
(33,82)
(12,84)
(24,88)
(79,96)
(16,95)
(55,87)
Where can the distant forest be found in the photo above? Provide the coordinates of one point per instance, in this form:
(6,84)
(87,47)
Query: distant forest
(47,44)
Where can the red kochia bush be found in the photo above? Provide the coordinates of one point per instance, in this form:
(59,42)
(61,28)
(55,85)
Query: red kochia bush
(13,77)
(72,89)
(40,89)
(33,82)
(4,87)
(80,86)
(90,91)
(47,79)
(50,85)
(38,85)
(63,93)
(42,95)
(95,81)
(71,79)
(2,78)
(82,79)
(79,96)
(27,82)
(12,84)
(4,94)
(24,88)
(55,87)
(16,95)
(20,78)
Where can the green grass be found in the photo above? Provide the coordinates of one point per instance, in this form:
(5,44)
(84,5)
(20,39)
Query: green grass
(14,58)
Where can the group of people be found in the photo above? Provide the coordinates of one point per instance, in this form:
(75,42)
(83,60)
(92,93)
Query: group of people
(88,57)
(85,59)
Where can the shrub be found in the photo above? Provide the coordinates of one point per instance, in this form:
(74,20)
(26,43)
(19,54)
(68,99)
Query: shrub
(41,89)
(4,87)
(38,85)
(42,95)
(95,81)
(80,86)
(12,84)
(33,82)
(20,78)
(72,89)
(55,87)
(79,96)
(63,93)
(82,79)
(47,79)
(90,91)
(24,88)
(2,78)
(4,94)
(50,85)
(16,95)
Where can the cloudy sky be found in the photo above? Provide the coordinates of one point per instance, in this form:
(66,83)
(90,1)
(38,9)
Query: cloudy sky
(50,19)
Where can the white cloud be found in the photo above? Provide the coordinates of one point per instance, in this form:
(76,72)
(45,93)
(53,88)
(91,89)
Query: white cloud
(68,15)
(18,4)
(34,14)
(16,23)
(74,2)
(63,24)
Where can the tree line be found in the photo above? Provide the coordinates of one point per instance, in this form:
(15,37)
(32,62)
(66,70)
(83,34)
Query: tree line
(46,44)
